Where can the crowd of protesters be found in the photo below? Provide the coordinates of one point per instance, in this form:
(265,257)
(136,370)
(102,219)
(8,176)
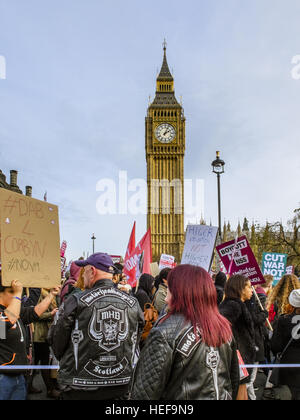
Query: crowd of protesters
(180,336)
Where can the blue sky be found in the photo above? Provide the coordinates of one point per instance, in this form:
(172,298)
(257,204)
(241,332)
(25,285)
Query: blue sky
(78,78)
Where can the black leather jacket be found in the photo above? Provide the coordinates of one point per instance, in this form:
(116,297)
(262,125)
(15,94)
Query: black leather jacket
(95,338)
(174,366)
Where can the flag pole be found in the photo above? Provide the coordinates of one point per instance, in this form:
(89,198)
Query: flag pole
(262,308)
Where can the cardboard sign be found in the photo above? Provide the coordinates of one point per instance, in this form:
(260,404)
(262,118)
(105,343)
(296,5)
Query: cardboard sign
(154,269)
(238,258)
(274,264)
(166,261)
(199,245)
(30,246)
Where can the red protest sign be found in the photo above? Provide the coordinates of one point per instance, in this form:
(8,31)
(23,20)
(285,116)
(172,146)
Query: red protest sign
(238,258)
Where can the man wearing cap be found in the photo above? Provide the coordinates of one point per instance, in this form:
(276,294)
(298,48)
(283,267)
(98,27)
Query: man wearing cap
(96,335)
(287,336)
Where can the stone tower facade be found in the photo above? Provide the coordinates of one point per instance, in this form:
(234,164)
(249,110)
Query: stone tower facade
(165,149)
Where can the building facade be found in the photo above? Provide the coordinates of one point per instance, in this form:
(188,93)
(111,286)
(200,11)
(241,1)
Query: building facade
(13,184)
(165,149)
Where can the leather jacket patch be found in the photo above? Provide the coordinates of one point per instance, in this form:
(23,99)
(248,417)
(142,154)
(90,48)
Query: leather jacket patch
(189,342)
(106,372)
(212,362)
(89,298)
(100,382)
(109,327)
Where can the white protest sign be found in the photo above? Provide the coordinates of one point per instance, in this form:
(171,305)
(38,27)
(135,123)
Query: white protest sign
(199,245)
(290,269)
(166,261)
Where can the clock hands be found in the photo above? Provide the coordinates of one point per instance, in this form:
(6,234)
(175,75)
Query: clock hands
(165,133)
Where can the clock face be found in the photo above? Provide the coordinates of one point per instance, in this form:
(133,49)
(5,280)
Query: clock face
(165,133)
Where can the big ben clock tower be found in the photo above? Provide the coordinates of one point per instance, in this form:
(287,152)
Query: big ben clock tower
(165,148)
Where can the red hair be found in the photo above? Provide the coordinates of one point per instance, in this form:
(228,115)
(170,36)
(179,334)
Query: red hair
(194,296)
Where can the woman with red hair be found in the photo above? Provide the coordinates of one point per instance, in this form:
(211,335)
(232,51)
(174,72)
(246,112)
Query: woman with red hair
(190,354)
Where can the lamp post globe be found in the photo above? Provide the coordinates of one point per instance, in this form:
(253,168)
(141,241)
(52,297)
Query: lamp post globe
(93,238)
(218,169)
(218,165)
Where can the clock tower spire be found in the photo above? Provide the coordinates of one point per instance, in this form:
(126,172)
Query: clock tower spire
(165,148)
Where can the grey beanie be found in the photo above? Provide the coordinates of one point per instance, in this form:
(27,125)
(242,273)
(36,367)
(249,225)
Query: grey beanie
(294,298)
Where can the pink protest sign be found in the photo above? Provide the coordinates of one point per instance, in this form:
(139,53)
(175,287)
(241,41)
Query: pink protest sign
(238,258)
(63,248)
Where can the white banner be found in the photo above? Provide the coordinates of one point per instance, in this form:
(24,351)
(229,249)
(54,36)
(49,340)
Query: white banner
(199,245)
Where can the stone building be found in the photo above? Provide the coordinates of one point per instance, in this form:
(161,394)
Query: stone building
(165,149)
(13,183)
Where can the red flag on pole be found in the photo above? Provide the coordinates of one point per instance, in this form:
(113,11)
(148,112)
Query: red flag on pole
(128,262)
(131,243)
(131,268)
(145,246)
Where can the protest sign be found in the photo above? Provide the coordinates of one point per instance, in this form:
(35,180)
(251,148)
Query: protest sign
(290,269)
(166,261)
(63,266)
(116,259)
(63,248)
(199,245)
(63,260)
(154,268)
(30,248)
(238,258)
(274,264)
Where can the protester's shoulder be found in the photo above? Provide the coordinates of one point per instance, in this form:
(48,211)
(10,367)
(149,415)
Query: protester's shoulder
(161,333)
(140,292)
(231,305)
(112,294)
(130,298)
(285,319)
(171,327)
(70,304)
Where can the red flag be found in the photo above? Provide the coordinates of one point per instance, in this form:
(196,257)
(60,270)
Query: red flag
(131,268)
(131,243)
(128,262)
(145,246)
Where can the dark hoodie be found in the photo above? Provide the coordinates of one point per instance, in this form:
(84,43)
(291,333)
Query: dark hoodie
(74,275)
(220,285)
(144,293)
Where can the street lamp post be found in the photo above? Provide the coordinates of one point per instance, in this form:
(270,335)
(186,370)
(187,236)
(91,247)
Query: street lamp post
(218,168)
(93,239)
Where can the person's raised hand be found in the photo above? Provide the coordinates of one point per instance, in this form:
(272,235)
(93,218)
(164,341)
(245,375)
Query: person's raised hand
(55,291)
(17,287)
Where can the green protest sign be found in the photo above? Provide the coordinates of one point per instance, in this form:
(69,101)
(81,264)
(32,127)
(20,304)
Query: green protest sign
(274,264)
